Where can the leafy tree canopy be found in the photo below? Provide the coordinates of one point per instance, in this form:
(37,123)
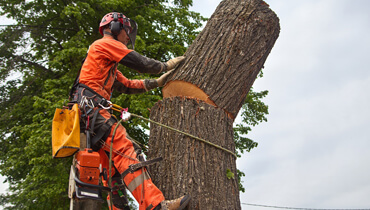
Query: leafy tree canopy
(39,59)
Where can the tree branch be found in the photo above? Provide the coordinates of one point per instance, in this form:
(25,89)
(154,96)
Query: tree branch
(21,59)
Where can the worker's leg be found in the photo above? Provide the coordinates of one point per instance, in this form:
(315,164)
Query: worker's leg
(119,195)
(138,183)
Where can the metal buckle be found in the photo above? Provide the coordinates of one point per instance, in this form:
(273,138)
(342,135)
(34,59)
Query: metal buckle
(106,107)
(132,168)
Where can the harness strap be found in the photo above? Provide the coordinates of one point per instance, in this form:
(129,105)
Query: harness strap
(91,140)
(97,99)
(94,119)
(105,129)
(134,167)
(111,71)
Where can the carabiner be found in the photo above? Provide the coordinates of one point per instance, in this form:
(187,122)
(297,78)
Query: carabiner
(106,107)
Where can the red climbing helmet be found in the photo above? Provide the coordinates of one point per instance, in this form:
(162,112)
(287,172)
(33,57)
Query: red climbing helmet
(117,22)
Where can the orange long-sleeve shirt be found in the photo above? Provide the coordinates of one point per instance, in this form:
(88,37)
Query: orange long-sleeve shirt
(99,71)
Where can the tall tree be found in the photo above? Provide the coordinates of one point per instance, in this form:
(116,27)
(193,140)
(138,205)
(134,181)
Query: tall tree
(39,59)
(203,97)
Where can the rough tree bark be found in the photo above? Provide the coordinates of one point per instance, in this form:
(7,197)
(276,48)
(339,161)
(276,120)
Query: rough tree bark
(203,97)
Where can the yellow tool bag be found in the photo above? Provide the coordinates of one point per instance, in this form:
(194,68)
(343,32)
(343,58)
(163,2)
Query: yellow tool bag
(66,132)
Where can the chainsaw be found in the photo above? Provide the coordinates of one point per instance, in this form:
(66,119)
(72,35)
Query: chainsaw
(85,175)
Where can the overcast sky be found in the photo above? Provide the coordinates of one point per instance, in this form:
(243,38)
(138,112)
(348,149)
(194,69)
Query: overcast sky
(314,150)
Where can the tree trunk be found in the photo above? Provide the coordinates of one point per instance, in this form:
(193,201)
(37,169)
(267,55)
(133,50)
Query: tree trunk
(190,166)
(226,57)
(85,204)
(203,97)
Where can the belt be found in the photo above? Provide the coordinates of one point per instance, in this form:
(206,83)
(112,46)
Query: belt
(85,96)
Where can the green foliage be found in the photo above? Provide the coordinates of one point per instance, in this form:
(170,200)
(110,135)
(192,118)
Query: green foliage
(240,174)
(229,174)
(39,59)
(254,111)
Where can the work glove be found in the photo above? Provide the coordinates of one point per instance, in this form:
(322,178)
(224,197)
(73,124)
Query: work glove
(163,79)
(173,62)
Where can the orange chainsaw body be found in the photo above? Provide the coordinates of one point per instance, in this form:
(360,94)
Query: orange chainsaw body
(88,163)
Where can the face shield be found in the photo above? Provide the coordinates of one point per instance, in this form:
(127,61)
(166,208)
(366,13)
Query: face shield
(130,27)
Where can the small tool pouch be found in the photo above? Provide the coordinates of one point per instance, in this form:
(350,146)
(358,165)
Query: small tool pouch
(66,132)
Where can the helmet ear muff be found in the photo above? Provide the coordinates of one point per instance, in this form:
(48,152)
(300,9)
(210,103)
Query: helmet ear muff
(115,25)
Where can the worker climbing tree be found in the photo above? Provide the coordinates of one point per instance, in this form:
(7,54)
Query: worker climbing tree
(41,52)
(40,58)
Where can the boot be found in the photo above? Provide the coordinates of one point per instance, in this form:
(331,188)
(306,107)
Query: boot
(176,204)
